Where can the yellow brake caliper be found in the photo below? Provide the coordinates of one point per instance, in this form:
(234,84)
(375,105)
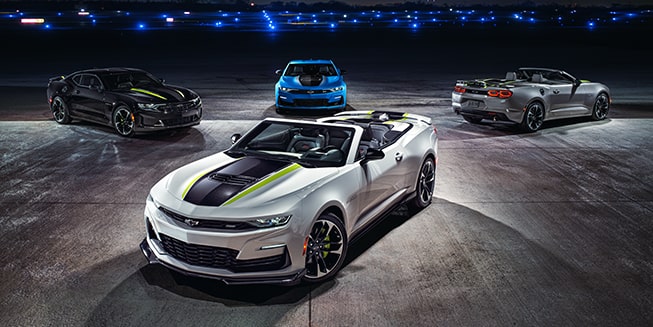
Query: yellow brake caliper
(326,247)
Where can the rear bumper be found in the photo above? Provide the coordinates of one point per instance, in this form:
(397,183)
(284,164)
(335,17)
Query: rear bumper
(482,107)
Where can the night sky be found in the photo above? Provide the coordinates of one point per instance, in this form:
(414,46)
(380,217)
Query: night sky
(606,3)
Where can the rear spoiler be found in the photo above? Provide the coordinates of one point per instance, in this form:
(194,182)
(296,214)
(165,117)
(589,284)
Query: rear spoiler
(384,115)
(56,78)
(485,83)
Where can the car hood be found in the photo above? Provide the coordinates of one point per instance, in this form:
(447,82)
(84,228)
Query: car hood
(247,182)
(311,81)
(159,93)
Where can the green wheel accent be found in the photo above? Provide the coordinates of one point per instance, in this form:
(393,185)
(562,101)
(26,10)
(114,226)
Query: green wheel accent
(326,248)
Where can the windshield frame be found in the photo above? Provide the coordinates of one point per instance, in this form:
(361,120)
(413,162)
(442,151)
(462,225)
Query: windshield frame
(306,143)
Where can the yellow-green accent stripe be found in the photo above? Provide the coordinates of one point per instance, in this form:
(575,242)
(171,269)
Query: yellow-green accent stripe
(192,182)
(148,93)
(263,182)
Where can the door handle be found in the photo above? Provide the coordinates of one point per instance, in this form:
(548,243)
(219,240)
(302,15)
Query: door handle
(399,156)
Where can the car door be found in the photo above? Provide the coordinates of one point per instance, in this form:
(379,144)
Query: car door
(383,180)
(565,99)
(88,97)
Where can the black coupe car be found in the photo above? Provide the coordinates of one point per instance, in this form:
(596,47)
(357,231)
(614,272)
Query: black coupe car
(129,100)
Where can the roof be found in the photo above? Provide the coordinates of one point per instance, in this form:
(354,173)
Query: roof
(108,70)
(311,61)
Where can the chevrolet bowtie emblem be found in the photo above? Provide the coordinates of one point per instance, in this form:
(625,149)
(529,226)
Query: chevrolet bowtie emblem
(191,222)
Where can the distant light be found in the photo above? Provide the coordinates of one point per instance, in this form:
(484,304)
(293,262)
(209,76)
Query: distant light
(186,12)
(32,20)
(170,20)
(141,26)
(83,13)
(218,24)
(47,26)
(332,25)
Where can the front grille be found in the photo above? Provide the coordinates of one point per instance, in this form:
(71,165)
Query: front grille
(310,91)
(311,102)
(180,121)
(182,107)
(220,258)
(226,226)
(199,255)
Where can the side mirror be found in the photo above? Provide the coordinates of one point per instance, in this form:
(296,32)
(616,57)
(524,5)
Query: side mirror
(278,72)
(235,138)
(577,82)
(373,154)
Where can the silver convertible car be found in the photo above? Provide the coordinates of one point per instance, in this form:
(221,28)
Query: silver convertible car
(282,203)
(530,96)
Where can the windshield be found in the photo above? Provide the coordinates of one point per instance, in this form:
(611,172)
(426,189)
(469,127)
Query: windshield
(128,80)
(311,69)
(308,144)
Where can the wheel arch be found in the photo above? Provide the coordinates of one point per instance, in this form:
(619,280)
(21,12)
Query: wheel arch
(116,105)
(335,210)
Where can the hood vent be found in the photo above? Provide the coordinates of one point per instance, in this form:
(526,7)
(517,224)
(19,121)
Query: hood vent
(233,179)
(310,80)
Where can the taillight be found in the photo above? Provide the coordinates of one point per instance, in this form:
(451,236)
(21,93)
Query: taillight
(459,89)
(502,94)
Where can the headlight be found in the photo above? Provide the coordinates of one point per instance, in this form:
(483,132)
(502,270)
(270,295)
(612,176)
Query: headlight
(150,106)
(270,221)
(335,89)
(286,89)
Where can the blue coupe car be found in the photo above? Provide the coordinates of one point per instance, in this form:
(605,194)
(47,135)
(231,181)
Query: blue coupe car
(310,84)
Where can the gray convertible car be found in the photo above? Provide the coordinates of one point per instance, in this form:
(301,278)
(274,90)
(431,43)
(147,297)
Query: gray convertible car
(530,96)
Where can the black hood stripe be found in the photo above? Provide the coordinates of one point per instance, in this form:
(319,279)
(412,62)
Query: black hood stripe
(219,185)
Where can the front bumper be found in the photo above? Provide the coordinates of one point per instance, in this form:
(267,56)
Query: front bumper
(333,100)
(485,107)
(289,280)
(235,256)
(152,121)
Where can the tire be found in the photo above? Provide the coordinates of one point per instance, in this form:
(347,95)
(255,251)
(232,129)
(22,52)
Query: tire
(472,120)
(425,185)
(326,248)
(123,121)
(601,107)
(60,111)
(533,117)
